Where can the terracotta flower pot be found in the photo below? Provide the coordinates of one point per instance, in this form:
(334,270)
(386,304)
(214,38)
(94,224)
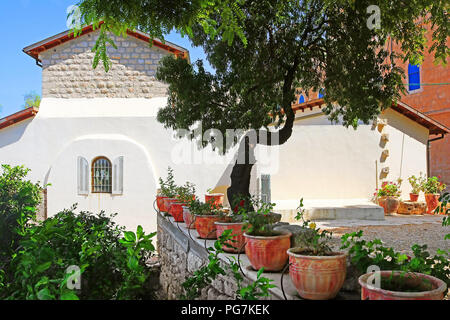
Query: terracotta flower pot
(176,211)
(370,292)
(268,252)
(160,203)
(217,197)
(413,197)
(238,240)
(204,224)
(317,277)
(167,202)
(188,218)
(389,204)
(432,200)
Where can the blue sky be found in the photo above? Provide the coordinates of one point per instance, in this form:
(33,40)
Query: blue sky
(24,22)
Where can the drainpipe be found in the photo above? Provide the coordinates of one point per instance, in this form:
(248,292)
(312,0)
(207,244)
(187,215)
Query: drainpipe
(428,152)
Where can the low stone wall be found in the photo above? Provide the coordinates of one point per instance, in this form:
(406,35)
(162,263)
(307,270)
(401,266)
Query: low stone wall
(180,256)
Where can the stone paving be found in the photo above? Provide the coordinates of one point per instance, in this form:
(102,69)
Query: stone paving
(397,231)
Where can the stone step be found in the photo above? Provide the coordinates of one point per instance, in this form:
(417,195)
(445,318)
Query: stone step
(336,210)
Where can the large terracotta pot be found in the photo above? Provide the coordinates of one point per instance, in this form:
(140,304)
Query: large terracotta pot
(413,197)
(204,224)
(167,202)
(389,204)
(176,211)
(238,241)
(268,252)
(370,292)
(188,218)
(160,203)
(217,197)
(432,201)
(317,277)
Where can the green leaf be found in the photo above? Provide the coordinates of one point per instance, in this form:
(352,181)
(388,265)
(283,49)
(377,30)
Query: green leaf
(43,267)
(69,295)
(45,294)
(130,236)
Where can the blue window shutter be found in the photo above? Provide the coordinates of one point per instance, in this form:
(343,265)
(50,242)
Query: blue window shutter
(321,93)
(301,99)
(413,77)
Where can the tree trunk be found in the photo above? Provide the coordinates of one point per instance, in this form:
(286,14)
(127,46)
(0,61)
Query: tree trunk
(241,173)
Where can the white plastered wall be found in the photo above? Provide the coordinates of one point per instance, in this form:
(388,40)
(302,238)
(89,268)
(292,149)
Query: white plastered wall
(64,129)
(324,161)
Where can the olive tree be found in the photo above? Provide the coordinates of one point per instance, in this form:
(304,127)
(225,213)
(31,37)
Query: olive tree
(261,51)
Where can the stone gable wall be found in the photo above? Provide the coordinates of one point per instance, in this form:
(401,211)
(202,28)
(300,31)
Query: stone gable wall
(67,70)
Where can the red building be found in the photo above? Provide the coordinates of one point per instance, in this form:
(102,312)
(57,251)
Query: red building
(428,88)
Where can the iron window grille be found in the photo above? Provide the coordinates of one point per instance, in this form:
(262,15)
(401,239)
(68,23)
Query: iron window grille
(101,175)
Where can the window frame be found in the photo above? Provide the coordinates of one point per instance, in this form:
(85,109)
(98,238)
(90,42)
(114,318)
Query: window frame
(110,175)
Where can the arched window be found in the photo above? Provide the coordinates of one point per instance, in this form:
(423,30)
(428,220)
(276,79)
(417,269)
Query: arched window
(301,99)
(101,175)
(413,77)
(321,93)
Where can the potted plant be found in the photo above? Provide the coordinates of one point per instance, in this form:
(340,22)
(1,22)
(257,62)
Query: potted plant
(233,220)
(215,198)
(168,191)
(205,215)
(265,247)
(186,193)
(432,188)
(401,285)
(416,185)
(317,272)
(388,196)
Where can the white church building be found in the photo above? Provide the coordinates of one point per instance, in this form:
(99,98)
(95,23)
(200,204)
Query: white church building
(96,142)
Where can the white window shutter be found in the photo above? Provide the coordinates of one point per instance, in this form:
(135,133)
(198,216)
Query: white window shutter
(117,183)
(83,176)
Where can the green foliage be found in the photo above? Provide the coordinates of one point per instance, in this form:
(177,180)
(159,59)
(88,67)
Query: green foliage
(158,17)
(390,189)
(314,241)
(259,220)
(283,45)
(416,183)
(187,192)
(256,289)
(432,185)
(366,253)
(168,186)
(111,266)
(444,208)
(32,100)
(200,208)
(205,275)
(18,201)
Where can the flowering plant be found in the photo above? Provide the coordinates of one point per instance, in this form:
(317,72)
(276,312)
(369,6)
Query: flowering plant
(389,189)
(312,241)
(416,183)
(433,185)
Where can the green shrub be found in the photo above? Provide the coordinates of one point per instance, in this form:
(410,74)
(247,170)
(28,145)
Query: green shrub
(111,266)
(18,201)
